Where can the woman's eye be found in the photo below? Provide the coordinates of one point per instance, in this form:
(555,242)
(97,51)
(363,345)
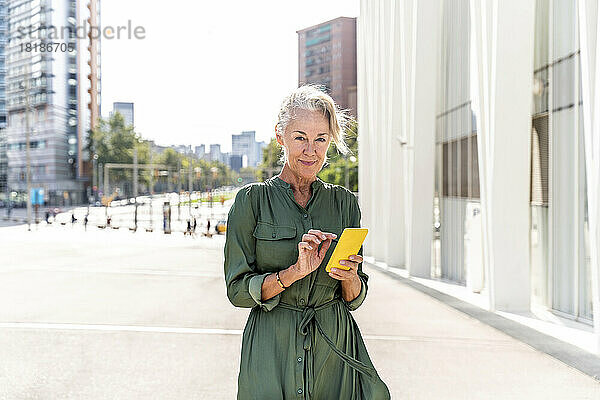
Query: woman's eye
(299,138)
(321,140)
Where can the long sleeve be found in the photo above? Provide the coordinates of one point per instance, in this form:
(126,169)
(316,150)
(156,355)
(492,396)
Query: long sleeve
(244,283)
(355,216)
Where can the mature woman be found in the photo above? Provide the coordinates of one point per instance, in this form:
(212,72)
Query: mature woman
(300,340)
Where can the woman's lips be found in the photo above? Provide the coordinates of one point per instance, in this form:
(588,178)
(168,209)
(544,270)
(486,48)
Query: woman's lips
(307,163)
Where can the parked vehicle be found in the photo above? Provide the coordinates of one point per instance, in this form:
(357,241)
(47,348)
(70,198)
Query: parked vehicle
(221,226)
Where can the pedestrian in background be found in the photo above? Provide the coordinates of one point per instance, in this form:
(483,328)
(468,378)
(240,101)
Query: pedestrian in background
(300,340)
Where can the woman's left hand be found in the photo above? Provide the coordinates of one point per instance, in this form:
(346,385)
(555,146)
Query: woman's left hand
(352,273)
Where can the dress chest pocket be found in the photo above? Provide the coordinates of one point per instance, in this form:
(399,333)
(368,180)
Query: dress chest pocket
(276,246)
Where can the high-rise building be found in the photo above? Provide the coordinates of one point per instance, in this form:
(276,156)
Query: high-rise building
(200,151)
(235,162)
(3,113)
(126,110)
(215,153)
(327,56)
(259,151)
(244,144)
(43,95)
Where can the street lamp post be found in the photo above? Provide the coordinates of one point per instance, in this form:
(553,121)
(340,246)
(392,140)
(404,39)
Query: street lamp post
(214,171)
(179,189)
(95,177)
(190,187)
(135,188)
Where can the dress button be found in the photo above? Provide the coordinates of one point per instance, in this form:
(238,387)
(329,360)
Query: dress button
(299,359)
(299,391)
(305,215)
(273,235)
(302,302)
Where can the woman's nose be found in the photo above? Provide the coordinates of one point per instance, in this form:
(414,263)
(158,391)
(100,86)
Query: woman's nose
(309,149)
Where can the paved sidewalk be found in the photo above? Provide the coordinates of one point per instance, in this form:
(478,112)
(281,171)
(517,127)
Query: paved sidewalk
(425,349)
(121,315)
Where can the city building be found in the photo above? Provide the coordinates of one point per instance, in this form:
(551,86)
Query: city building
(200,151)
(327,56)
(126,110)
(235,162)
(182,148)
(155,148)
(214,153)
(3,113)
(246,146)
(484,154)
(259,152)
(43,95)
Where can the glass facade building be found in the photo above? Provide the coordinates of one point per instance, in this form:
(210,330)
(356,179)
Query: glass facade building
(43,87)
(3,112)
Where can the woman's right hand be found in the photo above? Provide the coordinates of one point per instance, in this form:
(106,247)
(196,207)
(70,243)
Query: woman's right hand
(309,255)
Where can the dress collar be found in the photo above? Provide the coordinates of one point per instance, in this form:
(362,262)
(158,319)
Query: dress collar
(280,182)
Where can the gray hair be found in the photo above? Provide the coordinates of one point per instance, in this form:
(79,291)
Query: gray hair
(313,98)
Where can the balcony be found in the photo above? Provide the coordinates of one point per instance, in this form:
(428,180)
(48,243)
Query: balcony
(318,40)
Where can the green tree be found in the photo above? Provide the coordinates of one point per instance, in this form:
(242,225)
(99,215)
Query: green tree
(114,142)
(172,159)
(270,164)
(338,165)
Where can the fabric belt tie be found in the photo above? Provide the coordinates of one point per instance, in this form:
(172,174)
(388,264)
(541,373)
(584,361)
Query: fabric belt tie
(307,329)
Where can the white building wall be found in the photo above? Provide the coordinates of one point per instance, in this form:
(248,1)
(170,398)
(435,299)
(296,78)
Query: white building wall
(590,71)
(417,72)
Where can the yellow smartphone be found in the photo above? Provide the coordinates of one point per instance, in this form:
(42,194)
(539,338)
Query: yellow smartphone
(348,244)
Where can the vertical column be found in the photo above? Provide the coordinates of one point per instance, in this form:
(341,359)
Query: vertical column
(384,180)
(365,159)
(370,184)
(396,230)
(421,53)
(589,35)
(503,35)
(377,101)
(397,77)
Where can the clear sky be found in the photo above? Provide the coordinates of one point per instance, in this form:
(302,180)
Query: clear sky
(207,69)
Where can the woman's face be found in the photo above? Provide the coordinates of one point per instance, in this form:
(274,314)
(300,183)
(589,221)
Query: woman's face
(306,140)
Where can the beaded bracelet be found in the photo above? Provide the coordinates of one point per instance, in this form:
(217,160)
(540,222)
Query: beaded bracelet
(279,281)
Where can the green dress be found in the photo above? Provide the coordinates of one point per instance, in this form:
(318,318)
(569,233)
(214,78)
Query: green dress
(303,343)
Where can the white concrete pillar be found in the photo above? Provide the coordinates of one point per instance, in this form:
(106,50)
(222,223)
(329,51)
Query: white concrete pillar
(366,124)
(589,38)
(374,68)
(381,176)
(396,229)
(421,22)
(503,35)
(397,67)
